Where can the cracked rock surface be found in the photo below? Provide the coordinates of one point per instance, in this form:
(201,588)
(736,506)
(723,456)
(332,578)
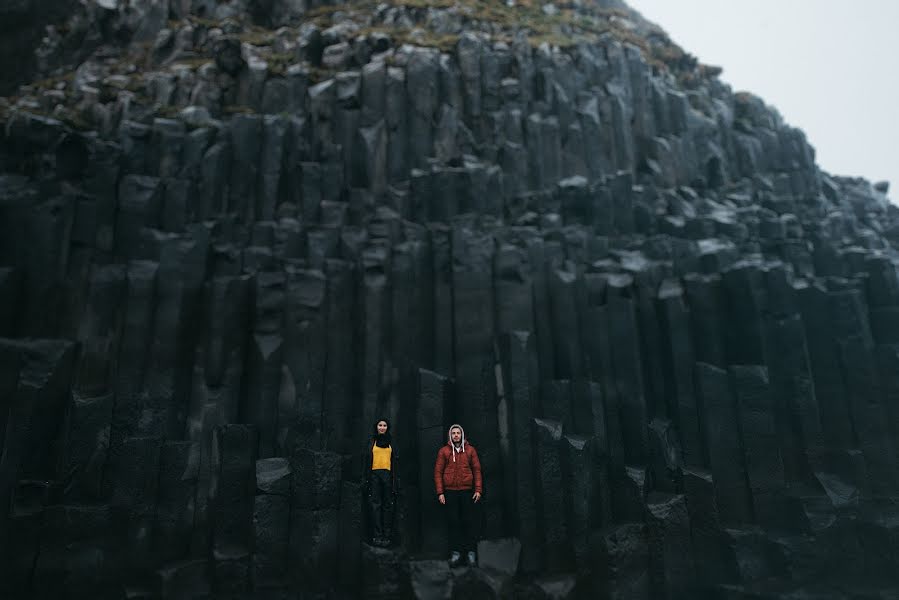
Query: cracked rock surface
(233,234)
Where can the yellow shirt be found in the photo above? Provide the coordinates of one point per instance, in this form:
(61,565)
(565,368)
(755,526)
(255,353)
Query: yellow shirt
(380,458)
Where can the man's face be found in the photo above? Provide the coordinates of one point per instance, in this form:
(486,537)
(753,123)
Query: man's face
(382,427)
(456,435)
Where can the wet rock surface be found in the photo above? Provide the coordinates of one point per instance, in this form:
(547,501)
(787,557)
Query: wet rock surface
(233,234)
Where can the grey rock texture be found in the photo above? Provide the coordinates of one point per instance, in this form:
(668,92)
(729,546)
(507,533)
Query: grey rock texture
(233,234)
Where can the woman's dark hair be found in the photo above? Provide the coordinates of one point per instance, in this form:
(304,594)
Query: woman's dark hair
(381,439)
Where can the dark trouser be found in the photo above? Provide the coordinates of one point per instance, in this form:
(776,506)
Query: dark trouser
(461,518)
(380,503)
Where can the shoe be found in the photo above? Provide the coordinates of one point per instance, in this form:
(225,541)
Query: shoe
(455,559)
(472,559)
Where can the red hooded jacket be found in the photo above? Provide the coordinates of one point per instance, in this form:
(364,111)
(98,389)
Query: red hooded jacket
(457,469)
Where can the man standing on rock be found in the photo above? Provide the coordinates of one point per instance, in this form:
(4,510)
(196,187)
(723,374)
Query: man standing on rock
(457,479)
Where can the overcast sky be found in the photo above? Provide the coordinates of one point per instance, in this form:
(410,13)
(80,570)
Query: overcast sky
(830,67)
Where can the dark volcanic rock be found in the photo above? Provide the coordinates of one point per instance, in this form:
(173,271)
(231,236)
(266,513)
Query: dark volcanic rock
(226,250)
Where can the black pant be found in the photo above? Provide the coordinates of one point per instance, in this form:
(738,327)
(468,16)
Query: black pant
(380,503)
(461,518)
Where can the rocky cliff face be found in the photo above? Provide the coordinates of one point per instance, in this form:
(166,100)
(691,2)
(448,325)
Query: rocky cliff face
(22,25)
(233,234)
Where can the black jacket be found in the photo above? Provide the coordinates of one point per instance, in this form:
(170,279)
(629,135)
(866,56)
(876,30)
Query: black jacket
(367,460)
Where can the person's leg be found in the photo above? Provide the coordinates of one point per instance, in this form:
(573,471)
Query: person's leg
(467,508)
(375,499)
(473,525)
(388,507)
(454,520)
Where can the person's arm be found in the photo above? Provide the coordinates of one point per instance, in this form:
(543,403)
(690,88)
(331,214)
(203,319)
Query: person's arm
(476,471)
(439,465)
(365,459)
(394,478)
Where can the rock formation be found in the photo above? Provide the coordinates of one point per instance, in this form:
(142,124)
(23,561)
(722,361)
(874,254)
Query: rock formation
(234,233)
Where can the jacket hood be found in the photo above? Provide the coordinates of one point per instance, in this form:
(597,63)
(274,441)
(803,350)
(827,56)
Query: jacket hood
(449,439)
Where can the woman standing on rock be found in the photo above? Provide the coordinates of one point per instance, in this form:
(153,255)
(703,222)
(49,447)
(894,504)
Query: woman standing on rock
(379,469)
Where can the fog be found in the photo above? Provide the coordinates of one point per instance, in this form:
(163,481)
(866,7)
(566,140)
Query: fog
(830,67)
